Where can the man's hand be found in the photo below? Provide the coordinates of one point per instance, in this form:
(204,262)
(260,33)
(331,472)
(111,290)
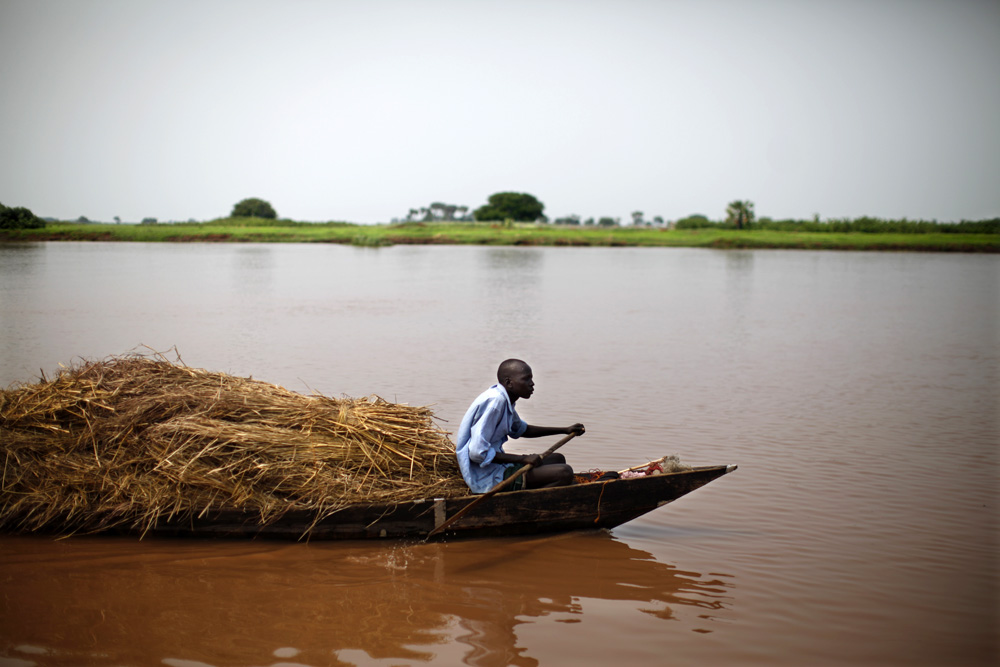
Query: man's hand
(575,429)
(531,459)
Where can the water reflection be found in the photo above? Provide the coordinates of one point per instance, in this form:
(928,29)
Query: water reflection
(253,269)
(21,266)
(91,601)
(556,577)
(510,282)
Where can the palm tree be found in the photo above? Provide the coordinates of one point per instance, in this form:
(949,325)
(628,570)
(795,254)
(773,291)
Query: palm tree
(740,212)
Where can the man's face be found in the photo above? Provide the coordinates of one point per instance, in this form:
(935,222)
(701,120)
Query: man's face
(520,384)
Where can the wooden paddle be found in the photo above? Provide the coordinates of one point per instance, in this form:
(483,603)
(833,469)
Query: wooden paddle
(499,487)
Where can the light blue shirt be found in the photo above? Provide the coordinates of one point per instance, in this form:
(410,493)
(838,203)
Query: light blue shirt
(489,421)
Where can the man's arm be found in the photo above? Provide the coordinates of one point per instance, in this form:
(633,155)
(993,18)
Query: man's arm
(519,459)
(540,431)
(537,432)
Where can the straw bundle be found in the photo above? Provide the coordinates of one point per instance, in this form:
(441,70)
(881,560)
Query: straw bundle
(128,441)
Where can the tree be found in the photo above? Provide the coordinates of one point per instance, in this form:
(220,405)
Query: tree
(637,218)
(518,206)
(740,213)
(19,217)
(253,208)
(442,211)
(437,211)
(607,222)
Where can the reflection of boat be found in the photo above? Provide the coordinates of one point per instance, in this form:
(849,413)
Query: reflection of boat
(603,504)
(123,601)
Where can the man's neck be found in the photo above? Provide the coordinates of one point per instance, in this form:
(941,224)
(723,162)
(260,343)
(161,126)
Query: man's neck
(512,399)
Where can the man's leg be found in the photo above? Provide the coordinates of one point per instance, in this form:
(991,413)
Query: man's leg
(549,474)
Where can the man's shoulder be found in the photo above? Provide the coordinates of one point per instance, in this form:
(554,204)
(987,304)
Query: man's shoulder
(494,393)
(494,398)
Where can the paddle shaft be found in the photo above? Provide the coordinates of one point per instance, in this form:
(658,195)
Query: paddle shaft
(499,487)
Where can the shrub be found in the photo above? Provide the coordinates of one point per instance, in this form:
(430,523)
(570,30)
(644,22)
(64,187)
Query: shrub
(518,206)
(253,208)
(19,217)
(696,221)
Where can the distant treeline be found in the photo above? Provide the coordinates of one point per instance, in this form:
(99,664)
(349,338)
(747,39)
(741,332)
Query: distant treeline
(245,221)
(846,225)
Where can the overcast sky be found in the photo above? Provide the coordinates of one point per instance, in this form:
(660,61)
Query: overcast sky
(358,111)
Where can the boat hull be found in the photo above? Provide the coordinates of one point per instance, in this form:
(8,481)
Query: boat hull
(529,512)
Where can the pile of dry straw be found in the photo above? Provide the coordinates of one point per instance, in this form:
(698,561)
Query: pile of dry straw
(133,440)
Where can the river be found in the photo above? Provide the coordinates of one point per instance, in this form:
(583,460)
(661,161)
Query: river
(856,391)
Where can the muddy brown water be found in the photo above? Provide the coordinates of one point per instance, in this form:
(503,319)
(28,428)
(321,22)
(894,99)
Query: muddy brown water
(857,392)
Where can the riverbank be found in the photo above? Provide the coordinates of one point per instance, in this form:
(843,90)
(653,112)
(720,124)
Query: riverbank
(493,234)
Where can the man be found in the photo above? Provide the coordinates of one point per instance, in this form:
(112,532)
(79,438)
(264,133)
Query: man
(490,420)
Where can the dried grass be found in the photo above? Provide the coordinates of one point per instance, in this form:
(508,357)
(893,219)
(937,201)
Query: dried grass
(129,441)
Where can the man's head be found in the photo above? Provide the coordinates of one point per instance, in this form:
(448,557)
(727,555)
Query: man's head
(515,376)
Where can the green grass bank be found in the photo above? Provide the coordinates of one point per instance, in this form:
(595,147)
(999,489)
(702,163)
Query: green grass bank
(286,231)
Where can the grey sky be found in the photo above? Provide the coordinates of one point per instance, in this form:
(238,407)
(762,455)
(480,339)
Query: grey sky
(361,110)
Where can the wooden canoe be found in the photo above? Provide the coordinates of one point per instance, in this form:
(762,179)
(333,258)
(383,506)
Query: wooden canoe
(580,506)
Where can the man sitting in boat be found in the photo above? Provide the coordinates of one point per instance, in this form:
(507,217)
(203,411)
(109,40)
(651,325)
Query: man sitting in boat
(490,420)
